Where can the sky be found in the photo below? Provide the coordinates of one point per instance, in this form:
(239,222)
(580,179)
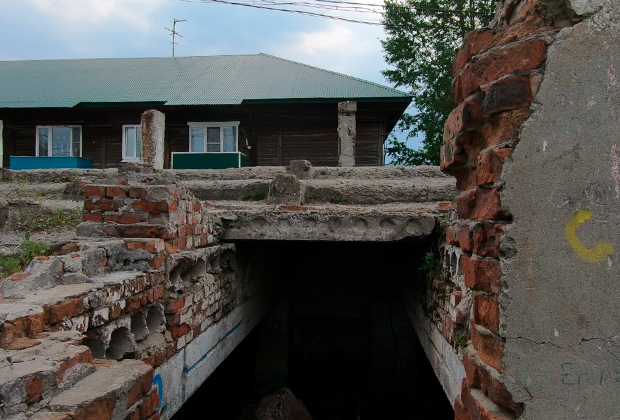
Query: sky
(57,29)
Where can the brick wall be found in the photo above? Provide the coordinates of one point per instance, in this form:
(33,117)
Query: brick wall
(152,279)
(497,73)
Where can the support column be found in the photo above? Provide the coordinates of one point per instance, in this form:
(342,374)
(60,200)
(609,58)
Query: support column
(153,130)
(346,133)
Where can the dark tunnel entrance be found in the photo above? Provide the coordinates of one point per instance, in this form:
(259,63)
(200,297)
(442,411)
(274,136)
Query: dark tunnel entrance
(338,337)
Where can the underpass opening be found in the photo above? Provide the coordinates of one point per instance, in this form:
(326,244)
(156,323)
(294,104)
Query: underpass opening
(339,337)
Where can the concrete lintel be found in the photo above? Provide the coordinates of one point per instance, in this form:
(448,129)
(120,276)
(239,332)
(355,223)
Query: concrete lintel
(328,226)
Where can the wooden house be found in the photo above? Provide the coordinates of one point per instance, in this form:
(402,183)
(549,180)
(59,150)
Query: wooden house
(266,110)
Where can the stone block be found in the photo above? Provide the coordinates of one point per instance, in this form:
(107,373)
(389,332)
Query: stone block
(302,169)
(285,189)
(490,67)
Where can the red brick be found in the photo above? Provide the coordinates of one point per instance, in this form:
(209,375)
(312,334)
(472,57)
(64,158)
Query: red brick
(153,246)
(466,240)
(82,355)
(151,206)
(459,411)
(42,258)
(447,328)
(507,95)
(473,43)
(136,192)
(102,204)
(157,261)
(99,409)
(172,207)
(150,404)
(484,275)
(490,348)
(486,312)
(452,234)
(92,217)
(67,309)
(140,387)
(487,238)
(480,204)
(21,343)
(91,191)
(497,392)
(179,330)
(526,56)
(175,305)
(452,157)
(479,407)
(134,302)
(34,389)
(175,245)
(112,192)
(490,165)
(466,116)
(126,219)
(504,127)
(34,323)
(471,371)
(466,177)
(139,231)
(158,293)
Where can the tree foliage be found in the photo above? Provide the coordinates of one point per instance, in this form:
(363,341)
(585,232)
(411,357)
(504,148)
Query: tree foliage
(422,36)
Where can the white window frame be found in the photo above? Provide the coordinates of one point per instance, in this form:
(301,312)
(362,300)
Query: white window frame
(221,126)
(49,139)
(124,157)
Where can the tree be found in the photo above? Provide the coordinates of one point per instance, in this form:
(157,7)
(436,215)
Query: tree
(422,36)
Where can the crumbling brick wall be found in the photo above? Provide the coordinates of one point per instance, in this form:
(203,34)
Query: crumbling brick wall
(152,280)
(497,75)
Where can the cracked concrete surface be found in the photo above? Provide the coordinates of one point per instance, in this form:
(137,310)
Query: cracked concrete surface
(560,312)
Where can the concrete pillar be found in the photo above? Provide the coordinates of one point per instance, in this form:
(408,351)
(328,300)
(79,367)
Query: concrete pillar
(346,133)
(1,145)
(153,130)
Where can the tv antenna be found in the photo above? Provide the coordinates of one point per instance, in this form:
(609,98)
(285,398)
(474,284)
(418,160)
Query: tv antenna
(174,32)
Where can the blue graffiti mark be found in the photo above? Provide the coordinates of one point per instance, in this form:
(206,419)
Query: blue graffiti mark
(228,334)
(157,381)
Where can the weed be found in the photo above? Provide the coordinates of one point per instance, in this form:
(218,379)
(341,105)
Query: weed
(459,341)
(8,266)
(310,192)
(45,220)
(258,193)
(6,178)
(337,199)
(22,181)
(26,251)
(429,262)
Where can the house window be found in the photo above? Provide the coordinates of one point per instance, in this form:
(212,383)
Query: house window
(132,143)
(59,141)
(213,137)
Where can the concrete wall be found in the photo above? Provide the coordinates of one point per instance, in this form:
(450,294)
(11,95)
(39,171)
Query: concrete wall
(533,145)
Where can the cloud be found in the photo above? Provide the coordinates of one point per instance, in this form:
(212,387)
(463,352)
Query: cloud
(351,49)
(98,13)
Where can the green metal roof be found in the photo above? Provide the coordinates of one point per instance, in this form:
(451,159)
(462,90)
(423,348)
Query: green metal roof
(213,80)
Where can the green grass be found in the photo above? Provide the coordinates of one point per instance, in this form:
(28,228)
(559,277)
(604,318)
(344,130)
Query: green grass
(26,251)
(259,193)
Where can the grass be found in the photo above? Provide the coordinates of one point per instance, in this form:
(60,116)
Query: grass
(337,199)
(41,220)
(259,193)
(26,251)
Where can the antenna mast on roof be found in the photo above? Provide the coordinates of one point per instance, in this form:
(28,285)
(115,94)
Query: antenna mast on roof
(174,32)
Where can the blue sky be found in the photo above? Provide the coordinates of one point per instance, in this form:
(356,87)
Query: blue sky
(53,29)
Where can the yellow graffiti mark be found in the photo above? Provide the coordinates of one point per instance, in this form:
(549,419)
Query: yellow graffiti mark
(598,253)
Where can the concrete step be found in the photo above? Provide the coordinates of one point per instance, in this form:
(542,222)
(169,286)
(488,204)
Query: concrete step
(111,391)
(335,191)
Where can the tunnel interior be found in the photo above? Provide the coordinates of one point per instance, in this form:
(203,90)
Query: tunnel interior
(338,336)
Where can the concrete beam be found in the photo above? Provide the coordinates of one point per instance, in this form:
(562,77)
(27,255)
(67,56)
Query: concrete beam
(302,223)
(153,131)
(346,133)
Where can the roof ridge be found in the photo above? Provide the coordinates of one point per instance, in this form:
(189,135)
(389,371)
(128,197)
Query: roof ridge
(339,74)
(129,58)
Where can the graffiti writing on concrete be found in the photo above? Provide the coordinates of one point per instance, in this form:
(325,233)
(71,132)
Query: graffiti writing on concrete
(574,375)
(159,383)
(598,253)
